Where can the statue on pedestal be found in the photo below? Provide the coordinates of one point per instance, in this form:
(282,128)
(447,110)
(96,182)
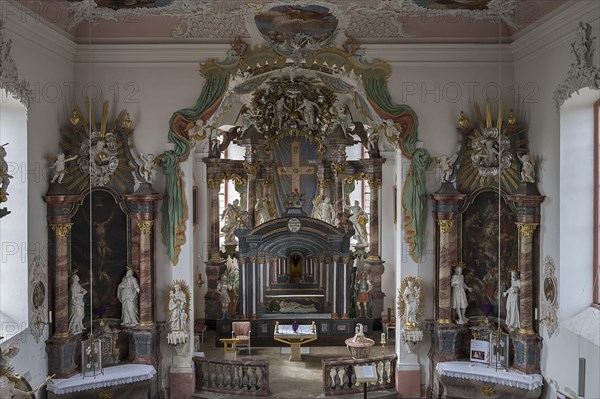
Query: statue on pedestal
(527,170)
(232,217)
(363,288)
(128,292)
(76,305)
(512,301)
(459,297)
(359,219)
(223,287)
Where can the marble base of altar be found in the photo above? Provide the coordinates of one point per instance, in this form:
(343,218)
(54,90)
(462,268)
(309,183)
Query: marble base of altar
(475,380)
(527,352)
(61,356)
(144,344)
(131,381)
(446,341)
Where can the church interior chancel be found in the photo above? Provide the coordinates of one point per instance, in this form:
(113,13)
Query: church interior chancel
(209,199)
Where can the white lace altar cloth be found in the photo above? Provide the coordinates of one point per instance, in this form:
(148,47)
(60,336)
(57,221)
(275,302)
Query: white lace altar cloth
(116,375)
(482,372)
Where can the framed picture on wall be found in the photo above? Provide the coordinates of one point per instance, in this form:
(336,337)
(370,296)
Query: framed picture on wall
(480,351)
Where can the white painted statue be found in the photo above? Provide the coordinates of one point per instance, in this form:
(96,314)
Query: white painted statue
(512,302)
(178,317)
(59,167)
(232,219)
(4,176)
(446,166)
(459,296)
(359,219)
(128,292)
(325,210)
(359,334)
(148,168)
(527,170)
(263,211)
(411,298)
(76,305)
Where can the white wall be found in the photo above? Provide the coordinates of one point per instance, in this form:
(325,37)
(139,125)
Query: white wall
(44,59)
(563,144)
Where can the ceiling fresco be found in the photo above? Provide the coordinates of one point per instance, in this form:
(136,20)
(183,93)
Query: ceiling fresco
(281,23)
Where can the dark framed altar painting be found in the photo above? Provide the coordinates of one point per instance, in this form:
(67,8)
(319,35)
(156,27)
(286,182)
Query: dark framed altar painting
(107,223)
(488,231)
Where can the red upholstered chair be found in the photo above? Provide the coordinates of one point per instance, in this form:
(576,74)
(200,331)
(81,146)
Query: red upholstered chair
(242,333)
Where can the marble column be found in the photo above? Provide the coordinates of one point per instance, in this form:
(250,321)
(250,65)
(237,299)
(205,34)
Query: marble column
(334,298)
(337,191)
(144,338)
(374,184)
(252,169)
(345,310)
(60,346)
(526,231)
(253,290)
(215,263)
(447,256)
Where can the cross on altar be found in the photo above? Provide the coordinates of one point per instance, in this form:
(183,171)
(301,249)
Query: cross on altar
(295,170)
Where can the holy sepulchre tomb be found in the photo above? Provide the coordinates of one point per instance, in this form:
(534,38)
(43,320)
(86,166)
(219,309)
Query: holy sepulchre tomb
(217,199)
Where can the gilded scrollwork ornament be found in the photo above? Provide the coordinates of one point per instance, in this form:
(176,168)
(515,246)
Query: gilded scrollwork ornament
(526,229)
(445,225)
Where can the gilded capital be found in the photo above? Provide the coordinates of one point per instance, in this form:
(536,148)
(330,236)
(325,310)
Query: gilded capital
(266,182)
(445,225)
(145,226)
(526,229)
(214,183)
(374,183)
(61,230)
(336,258)
(338,167)
(251,168)
(322,183)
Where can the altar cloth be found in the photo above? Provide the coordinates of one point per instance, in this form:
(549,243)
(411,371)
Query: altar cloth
(482,372)
(116,375)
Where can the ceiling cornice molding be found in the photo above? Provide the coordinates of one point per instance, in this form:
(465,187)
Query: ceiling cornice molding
(421,54)
(24,24)
(181,54)
(557,28)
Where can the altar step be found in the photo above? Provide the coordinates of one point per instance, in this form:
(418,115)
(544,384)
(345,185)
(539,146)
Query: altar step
(300,394)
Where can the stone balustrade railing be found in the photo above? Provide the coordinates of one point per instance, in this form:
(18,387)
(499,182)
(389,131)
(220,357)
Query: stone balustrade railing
(232,377)
(339,377)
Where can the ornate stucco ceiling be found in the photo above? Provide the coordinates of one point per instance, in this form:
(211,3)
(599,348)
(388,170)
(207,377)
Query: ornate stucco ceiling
(368,20)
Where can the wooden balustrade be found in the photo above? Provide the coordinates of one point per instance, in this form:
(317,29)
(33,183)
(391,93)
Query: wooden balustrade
(233,377)
(339,377)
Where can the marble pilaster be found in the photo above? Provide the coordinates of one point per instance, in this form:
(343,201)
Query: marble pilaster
(374,184)
(61,346)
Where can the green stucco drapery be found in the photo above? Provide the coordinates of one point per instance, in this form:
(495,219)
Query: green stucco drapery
(414,201)
(174,207)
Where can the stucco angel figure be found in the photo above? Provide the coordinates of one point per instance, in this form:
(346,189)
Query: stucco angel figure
(459,296)
(127,292)
(359,219)
(512,301)
(59,166)
(527,170)
(76,305)
(4,176)
(148,168)
(446,166)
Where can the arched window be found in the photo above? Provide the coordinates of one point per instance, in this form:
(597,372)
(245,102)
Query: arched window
(13,227)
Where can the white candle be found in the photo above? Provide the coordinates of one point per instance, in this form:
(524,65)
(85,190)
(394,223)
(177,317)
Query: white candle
(50,317)
(535,317)
(383,338)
